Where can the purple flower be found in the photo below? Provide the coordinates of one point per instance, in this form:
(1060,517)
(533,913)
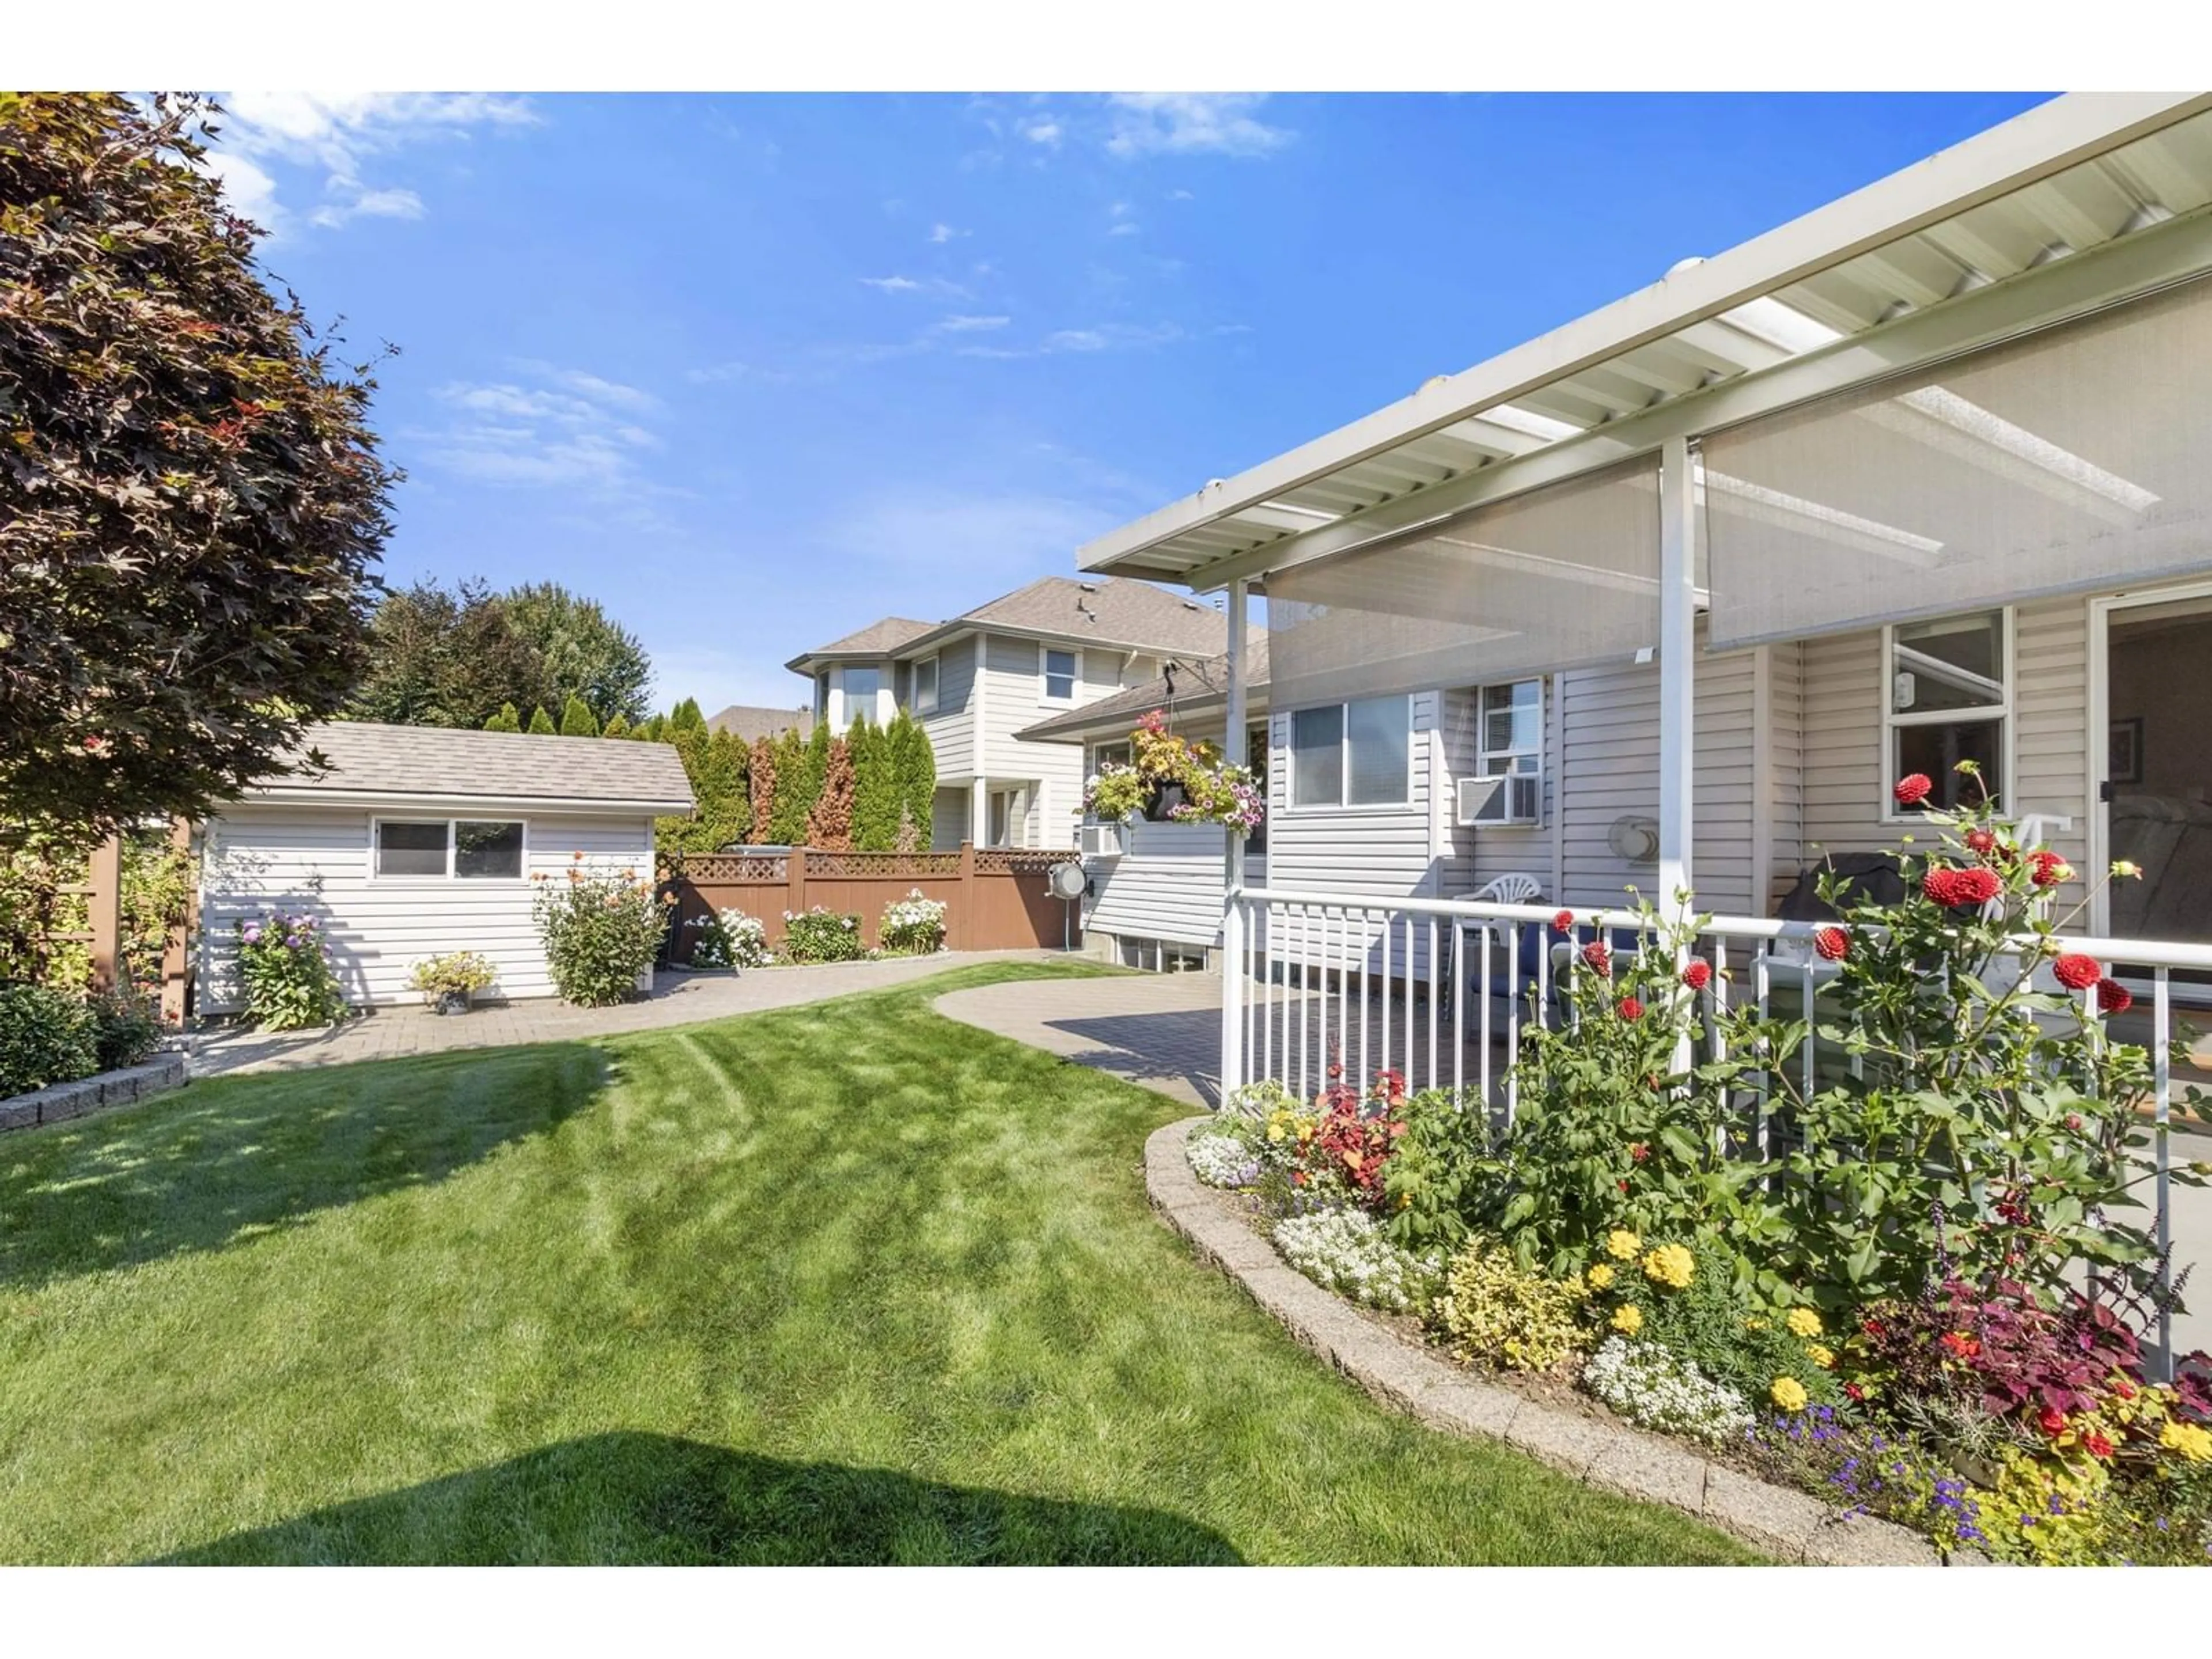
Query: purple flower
(293,940)
(253,933)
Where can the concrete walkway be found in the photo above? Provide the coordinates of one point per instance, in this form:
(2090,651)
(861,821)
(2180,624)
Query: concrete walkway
(678,998)
(1161,1031)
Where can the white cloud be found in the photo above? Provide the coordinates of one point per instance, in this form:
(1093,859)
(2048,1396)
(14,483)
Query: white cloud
(336,136)
(1045,131)
(1125,227)
(552,427)
(971,325)
(1183,122)
(915,285)
(1182,195)
(715,373)
(942,233)
(892,284)
(1106,336)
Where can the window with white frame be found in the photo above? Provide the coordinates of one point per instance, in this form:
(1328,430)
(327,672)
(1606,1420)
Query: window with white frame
(861,685)
(1104,754)
(1949,696)
(1509,728)
(1352,754)
(925,686)
(459,849)
(1060,676)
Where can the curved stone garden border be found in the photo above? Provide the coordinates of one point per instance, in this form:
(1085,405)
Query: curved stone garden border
(1792,1525)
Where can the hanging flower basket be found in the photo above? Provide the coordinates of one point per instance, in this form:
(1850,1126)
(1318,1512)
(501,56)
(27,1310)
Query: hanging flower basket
(1173,780)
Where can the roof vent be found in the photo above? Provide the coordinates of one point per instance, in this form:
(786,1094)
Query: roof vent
(1088,587)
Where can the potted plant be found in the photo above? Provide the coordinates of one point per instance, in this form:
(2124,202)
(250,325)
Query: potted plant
(1172,779)
(448,982)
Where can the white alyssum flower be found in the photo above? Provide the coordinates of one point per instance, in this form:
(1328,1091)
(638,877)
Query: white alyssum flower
(1222,1160)
(1648,1383)
(1345,1251)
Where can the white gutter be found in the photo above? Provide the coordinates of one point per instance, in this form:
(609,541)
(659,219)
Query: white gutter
(380,797)
(2046,140)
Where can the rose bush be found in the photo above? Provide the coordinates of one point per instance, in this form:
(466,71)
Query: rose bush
(601,930)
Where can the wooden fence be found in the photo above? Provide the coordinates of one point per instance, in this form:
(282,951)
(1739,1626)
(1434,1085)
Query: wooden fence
(995,898)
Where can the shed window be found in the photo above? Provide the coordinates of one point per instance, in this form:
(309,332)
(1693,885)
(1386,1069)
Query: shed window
(1949,693)
(465,849)
(412,849)
(486,850)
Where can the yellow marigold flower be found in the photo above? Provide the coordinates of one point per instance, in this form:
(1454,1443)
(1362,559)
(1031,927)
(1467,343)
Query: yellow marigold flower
(1670,1265)
(1600,1276)
(1622,1245)
(1629,1320)
(1803,1321)
(1824,1357)
(2191,1441)
(1275,1131)
(1789,1393)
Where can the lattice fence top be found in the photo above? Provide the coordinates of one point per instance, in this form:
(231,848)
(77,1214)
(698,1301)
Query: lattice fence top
(906,864)
(1020,860)
(735,866)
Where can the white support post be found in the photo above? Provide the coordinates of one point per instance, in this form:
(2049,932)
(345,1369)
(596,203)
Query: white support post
(1232,864)
(1678,612)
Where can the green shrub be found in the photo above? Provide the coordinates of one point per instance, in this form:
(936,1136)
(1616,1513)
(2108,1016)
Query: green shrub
(541,723)
(821,935)
(286,974)
(46,1036)
(602,931)
(126,1027)
(577,719)
(509,719)
(1496,1311)
(911,926)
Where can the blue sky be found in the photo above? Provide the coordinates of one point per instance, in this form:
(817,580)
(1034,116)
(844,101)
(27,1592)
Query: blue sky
(754,371)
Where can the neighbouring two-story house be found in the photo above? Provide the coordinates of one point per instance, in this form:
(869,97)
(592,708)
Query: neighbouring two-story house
(977,682)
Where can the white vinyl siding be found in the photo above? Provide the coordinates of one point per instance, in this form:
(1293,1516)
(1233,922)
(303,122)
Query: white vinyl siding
(318,860)
(1166,885)
(1846,794)
(952,726)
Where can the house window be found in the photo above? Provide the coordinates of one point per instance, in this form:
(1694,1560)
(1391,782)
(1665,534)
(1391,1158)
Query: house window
(861,685)
(1104,754)
(1007,812)
(464,849)
(1950,693)
(822,696)
(925,686)
(1509,735)
(1352,754)
(1060,677)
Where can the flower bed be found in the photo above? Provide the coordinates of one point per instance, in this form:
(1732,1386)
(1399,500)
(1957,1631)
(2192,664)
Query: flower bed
(1886,1312)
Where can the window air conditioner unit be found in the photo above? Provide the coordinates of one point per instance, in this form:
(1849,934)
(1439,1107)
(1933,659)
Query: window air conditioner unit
(1514,798)
(1100,841)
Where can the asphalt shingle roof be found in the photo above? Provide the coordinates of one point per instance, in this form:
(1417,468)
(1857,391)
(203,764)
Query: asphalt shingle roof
(1112,610)
(1198,683)
(747,722)
(369,759)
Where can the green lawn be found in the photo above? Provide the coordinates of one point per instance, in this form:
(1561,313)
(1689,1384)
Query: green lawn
(847,1283)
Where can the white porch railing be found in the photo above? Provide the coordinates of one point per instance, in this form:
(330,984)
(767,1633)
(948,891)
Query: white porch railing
(1438,990)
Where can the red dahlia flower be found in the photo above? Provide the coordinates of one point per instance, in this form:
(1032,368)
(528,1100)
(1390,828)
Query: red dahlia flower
(1913,788)
(1833,944)
(2099,1446)
(2076,972)
(2049,869)
(1982,842)
(1854,1393)
(1699,975)
(1631,1008)
(1598,958)
(1639,1151)
(1951,888)
(2113,998)
(1564,922)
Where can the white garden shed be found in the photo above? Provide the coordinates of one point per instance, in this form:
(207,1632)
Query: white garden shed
(418,840)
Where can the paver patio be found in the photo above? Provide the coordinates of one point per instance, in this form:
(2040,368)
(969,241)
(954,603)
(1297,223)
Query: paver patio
(678,998)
